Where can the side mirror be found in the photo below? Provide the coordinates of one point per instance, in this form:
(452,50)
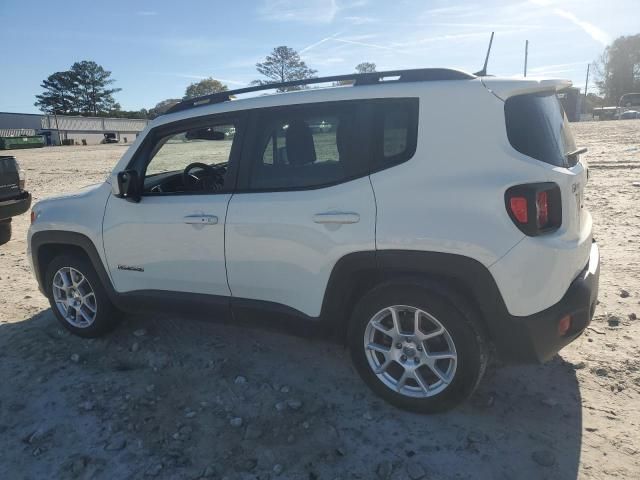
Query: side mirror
(206,133)
(129,185)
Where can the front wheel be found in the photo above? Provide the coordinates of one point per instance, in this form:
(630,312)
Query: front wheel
(77,297)
(418,348)
(5,231)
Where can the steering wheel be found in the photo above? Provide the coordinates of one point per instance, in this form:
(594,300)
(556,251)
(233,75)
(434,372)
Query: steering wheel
(195,182)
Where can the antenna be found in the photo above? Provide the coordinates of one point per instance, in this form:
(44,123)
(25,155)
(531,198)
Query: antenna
(483,72)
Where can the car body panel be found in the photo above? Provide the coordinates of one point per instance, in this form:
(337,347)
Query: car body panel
(278,252)
(79,212)
(149,246)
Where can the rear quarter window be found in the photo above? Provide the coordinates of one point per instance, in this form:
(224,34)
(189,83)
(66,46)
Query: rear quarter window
(538,127)
(395,131)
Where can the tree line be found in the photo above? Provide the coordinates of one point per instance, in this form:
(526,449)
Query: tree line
(618,69)
(86,88)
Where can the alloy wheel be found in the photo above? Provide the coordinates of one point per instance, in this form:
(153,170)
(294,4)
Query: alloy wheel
(74,297)
(410,351)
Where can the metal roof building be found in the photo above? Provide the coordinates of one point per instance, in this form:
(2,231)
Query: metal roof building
(79,130)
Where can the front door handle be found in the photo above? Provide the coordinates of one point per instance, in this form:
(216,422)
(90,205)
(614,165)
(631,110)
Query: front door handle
(201,219)
(336,217)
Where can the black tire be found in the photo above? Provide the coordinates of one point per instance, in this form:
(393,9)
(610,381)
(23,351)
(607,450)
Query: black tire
(5,231)
(461,323)
(107,317)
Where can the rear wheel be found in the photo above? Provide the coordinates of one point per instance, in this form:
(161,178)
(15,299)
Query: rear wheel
(5,231)
(78,298)
(416,347)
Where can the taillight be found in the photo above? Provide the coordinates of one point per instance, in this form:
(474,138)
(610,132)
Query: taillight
(21,176)
(535,208)
(519,208)
(542,208)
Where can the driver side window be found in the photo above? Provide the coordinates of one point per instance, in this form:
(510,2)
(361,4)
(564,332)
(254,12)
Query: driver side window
(190,161)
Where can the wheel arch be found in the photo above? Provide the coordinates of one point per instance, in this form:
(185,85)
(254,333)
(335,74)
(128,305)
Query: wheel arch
(46,245)
(469,281)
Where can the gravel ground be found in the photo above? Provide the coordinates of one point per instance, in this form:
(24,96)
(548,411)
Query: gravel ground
(169,397)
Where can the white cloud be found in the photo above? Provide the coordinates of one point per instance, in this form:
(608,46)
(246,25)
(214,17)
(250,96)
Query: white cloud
(319,42)
(594,32)
(364,44)
(557,66)
(445,38)
(360,20)
(322,61)
(199,77)
(308,11)
(457,10)
(311,11)
(192,46)
(589,28)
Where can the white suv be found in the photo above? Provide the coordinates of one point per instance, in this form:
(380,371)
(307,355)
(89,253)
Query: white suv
(426,217)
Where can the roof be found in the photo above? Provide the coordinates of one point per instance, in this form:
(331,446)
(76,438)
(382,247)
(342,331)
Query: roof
(355,79)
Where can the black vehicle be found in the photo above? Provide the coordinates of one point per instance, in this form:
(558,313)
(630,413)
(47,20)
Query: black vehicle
(14,200)
(110,137)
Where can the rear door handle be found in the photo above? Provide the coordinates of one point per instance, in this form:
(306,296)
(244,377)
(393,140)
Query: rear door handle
(336,217)
(201,219)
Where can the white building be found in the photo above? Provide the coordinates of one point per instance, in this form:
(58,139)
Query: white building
(80,130)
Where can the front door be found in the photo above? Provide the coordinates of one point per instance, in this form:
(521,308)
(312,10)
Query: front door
(173,239)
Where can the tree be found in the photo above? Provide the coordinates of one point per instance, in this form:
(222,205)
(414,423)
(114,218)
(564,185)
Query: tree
(366,67)
(118,113)
(204,87)
(60,94)
(162,107)
(94,96)
(618,70)
(282,65)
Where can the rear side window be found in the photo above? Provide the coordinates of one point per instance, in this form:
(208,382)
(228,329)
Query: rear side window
(306,147)
(396,131)
(538,127)
(318,145)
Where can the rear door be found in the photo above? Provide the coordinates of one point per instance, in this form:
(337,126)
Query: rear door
(304,201)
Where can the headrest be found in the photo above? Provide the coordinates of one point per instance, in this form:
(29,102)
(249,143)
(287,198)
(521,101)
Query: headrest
(300,147)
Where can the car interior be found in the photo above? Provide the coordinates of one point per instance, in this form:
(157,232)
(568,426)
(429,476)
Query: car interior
(197,175)
(302,161)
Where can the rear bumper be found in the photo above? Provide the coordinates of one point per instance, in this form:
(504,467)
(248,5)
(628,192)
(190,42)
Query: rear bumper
(16,206)
(535,338)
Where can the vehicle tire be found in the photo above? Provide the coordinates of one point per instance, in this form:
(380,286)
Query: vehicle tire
(5,231)
(428,369)
(78,298)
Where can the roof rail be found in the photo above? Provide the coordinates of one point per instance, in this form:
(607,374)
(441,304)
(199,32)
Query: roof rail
(414,75)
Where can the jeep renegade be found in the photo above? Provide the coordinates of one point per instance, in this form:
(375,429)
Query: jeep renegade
(425,237)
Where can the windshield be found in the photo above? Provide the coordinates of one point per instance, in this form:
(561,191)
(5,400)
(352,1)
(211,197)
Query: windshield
(538,127)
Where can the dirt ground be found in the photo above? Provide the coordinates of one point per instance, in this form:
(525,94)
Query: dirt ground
(170,397)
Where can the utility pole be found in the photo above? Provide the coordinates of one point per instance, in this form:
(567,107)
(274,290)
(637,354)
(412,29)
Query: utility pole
(526,56)
(586,87)
(57,126)
(586,82)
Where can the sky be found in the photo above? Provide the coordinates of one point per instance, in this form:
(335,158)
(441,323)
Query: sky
(155,49)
